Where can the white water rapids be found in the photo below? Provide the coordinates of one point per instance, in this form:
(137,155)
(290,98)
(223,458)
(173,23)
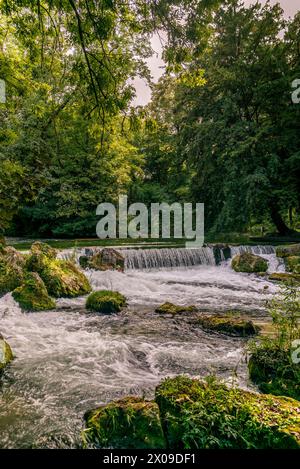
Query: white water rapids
(68,361)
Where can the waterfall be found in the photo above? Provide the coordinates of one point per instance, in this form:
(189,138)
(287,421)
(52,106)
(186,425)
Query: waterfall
(258,250)
(147,259)
(167,258)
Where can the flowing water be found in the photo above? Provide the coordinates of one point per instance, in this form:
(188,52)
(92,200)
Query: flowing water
(68,361)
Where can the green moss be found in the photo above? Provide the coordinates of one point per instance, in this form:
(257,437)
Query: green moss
(11,269)
(292,264)
(43,248)
(105,301)
(62,278)
(287,251)
(6,354)
(33,295)
(249,263)
(229,324)
(127,423)
(206,414)
(170,308)
(106,259)
(273,371)
(285,277)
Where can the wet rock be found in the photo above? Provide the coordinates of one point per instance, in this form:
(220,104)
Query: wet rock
(129,423)
(292,264)
(274,372)
(106,259)
(285,277)
(286,251)
(170,308)
(221,252)
(11,269)
(207,414)
(6,355)
(229,324)
(62,278)
(84,262)
(249,263)
(105,301)
(33,295)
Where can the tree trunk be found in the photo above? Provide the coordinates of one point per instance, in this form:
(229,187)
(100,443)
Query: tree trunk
(278,221)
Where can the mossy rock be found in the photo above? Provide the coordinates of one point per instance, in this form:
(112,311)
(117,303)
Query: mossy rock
(285,277)
(105,301)
(229,324)
(11,269)
(292,264)
(62,278)
(274,372)
(6,354)
(106,259)
(208,415)
(287,251)
(33,295)
(170,308)
(249,263)
(42,248)
(129,423)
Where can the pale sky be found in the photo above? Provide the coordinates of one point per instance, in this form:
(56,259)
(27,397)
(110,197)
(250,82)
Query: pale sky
(156,63)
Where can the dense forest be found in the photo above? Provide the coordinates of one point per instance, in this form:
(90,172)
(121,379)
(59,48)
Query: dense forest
(221,127)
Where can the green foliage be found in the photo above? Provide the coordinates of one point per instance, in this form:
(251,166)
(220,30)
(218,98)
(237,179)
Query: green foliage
(127,423)
(209,415)
(105,301)
(221,128)
(271,363)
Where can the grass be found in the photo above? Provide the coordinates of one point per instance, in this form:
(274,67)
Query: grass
(225,238)
(73,243)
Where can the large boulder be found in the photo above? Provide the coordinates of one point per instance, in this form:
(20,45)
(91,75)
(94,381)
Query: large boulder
(170,308)
(228,324)
(106,259)
(105,301)
(287,251)
(129,423)
(6,355)
(33,295)
(274,372)
(62,278)
(208,415)
(292,264)
(250,263)
(11,269)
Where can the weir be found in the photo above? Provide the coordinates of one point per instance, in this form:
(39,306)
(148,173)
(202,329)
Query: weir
(180,257)
(166,258)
